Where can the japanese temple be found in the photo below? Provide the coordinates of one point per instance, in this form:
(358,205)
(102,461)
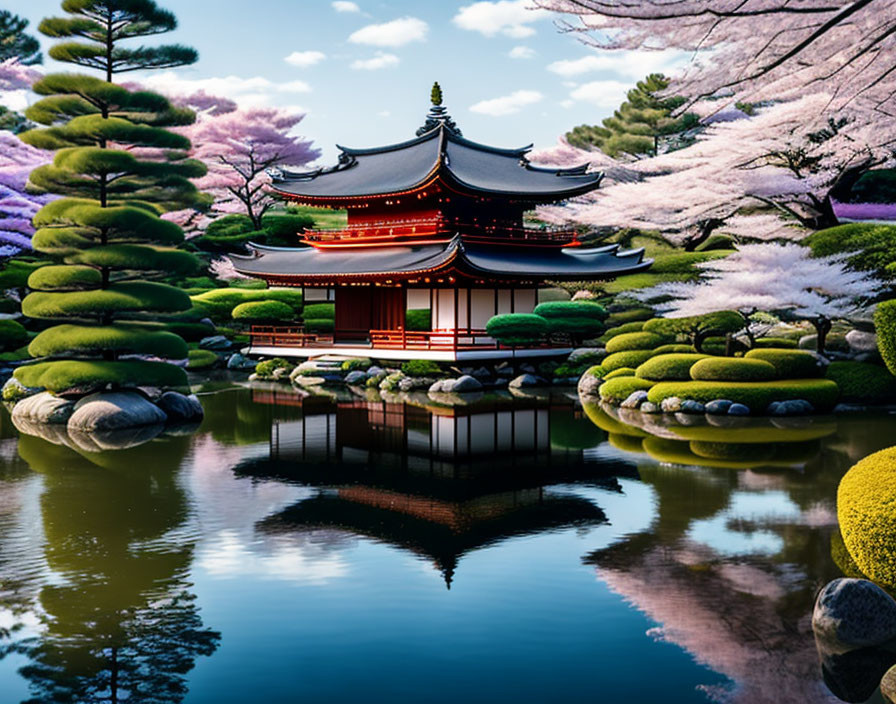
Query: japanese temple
(435,226)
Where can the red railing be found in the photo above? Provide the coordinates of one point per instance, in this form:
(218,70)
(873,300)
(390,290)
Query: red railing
(440,340)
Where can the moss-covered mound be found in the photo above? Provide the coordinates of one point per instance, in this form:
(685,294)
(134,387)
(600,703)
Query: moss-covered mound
(790,364)
(675,349)
(581,319)
(618,389)
(12,335)
(885,325)
(629,315)
(263,312)
(733,369)
(622,371)
(65,278)
(67,374)
(781,343)
(202,359)
(610,333)
(756,395)
(860,382)
(421,368)
(319,325)
(635,341)
(517,328)
(132,297)
(866,509)
(320,311)
(84,341)
(669,367)
(633,359)
(218,303)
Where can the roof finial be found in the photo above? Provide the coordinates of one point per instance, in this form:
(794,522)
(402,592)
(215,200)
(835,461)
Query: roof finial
(438,114)
(436,94)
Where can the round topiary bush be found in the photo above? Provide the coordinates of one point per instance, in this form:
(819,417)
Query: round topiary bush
(781,343)
(84,341)
(65,278)
(865,501)
(669,367)
(756,395)
(263,312)
(610,333)
(635,341)
(675,349)
(618,389)
(320,311)
(885,324)
(514,329)
(860,382)
(266,369)
(622,371)
(581,319)
(202,359)
(790,364)
(12,335)
(319,325)
(421,368)
(418,319)
(733,369)
(632,358)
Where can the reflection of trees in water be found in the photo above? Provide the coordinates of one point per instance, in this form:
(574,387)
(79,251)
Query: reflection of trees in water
(119,623)
(745,612)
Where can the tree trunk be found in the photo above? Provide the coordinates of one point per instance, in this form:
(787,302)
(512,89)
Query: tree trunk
(822,327)
(707,227)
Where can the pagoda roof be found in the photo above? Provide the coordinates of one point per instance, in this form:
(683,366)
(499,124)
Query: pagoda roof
(438,154)
(489,260)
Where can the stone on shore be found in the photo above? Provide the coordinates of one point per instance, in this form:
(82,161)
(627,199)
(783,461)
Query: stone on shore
(854,613)
(526,380)
(44,408)
(180,408)
(113,411)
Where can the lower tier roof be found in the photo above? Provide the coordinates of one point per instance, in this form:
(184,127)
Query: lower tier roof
(309,264)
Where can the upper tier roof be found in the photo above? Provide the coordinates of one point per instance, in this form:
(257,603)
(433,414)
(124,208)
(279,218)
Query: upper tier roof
(439,152)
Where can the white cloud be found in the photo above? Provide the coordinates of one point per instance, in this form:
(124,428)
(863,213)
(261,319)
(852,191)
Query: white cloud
(521,52)
(507,104)
(248,92)
(603,94)
(343,6)
(381,60)
(303,59)
(567,103)
(635,64)
(395,33)
(508,17)
(384,113)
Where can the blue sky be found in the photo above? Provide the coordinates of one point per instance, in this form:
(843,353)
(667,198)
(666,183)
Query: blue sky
(362,70)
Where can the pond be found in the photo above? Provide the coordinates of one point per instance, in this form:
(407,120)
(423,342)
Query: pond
(345,548)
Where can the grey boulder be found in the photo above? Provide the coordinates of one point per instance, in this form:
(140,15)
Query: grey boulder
(690,406)
(589,384)
(634,399)
(180,408)
(214,342)
(888,686)
(649,407)
(113,411)
(526,380)
(853,613)
(796,407)
(356,378)
(718,407)
(465,384)
(44,408)
(672,404)
(239,362)
(738,409)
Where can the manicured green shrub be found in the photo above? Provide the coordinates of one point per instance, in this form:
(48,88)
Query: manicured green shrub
(870,247)
(263,312)
(84,341)
(320,311)
(733,369)
(781,343)
(580,319)
(204,282)
(717,242)
(635,341)
(720,346)
(266,368)
(610,333)
(597,371)
(18,355)
(630,315)
(190,332)
(756,395)
(669,367)
(218,303)
(513,329)
(356,364)
(791,364)
(675,349)
(418,319)
(120,298)
(860,382)
(202,359)
(12,335)
(633,358)
(253,284)
(63,375)
(618,389)
(622,371)
(885,324)
(319,325)
(65,278)
(421,367)
(16,272)
(865,501)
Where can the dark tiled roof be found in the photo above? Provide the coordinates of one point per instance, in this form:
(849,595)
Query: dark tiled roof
(440,151)
(508,260)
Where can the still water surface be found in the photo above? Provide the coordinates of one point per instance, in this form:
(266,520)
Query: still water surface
(344,549)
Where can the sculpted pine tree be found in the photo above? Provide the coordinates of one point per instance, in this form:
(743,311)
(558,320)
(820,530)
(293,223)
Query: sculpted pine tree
(638,125)
(15,43)
(118,169)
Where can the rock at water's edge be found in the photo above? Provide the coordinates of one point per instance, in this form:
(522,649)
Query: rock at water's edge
(853,613)
(115,410)
(44,408)
(180,408)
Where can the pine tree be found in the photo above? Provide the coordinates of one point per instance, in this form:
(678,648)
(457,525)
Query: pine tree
(118,169)
(14,43)
(637,127)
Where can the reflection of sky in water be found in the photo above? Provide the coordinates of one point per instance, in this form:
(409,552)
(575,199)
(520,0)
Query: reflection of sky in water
(724,534)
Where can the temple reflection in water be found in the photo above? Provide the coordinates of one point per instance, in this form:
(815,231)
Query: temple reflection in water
(437,480)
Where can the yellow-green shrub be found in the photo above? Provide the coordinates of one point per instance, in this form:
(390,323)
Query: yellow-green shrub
(866,509)
(733,369)
(756,395)
(618,389)
(791,364)
(622,371)
(632,358)
(635,341)
(669,367)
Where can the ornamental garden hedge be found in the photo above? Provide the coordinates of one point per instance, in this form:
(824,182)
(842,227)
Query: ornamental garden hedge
(669,367)
(756,395)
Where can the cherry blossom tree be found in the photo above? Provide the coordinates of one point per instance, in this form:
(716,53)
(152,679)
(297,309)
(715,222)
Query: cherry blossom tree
(783,279)
(239,146)
(17,206)
(757,50)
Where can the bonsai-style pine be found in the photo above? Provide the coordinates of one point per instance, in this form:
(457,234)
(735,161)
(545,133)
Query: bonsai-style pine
(118,169)
(15,43)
